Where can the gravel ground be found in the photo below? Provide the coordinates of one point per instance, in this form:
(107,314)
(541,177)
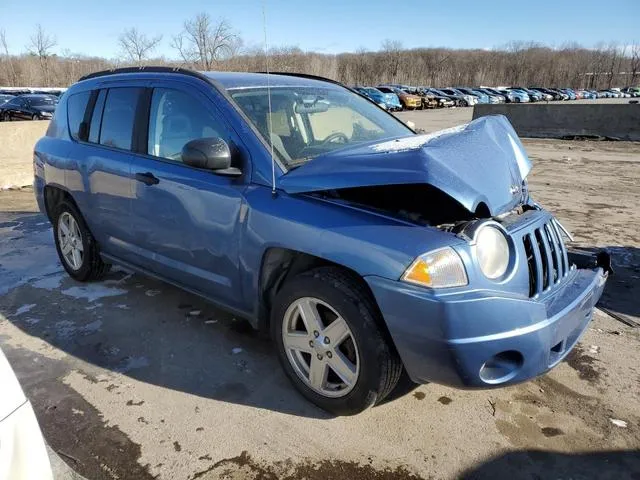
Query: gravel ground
(135,379)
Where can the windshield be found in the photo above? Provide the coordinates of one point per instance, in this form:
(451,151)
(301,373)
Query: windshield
(308,121)
(42,101)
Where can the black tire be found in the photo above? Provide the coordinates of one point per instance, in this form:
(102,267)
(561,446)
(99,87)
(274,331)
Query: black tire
(92,267)
(380,365)
(6,117)
(34,117)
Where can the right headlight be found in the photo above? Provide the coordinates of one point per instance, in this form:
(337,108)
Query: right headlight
(492,250)
(437,269)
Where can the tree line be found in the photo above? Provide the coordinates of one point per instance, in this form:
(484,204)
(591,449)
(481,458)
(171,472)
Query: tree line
(205,43)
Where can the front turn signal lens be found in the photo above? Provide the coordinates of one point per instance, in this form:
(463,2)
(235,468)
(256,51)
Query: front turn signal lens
(438,269)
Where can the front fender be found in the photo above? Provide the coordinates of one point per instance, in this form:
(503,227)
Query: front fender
(361,241)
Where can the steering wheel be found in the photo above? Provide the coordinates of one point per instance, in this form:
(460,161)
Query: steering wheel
(336,136)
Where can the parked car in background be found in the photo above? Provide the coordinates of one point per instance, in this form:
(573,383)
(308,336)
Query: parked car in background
(481,96)
(514,96)
(534,94)
(522,95)
(5,98)
(374,95)
(365,250)
(466,100)
(29,107)
(392,100)
(23,455)
(632,91)
(548,94)
(492,97)
(494,91)
(408,100)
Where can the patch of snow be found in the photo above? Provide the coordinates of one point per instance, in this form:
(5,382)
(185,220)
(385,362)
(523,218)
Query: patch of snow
(415,141)
(122,306)
(25,255)
(93,307)
(236,350)
(132,363)
(32,321)
(210,322)
(92,327)
(618,423)
(195,313)
(65,328)
(92,292)
(24,309)
(49,283)
(152,293)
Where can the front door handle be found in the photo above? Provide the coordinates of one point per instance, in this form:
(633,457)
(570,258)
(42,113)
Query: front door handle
(147,178)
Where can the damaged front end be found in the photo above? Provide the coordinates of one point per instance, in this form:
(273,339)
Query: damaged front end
(474,170)
(501,303)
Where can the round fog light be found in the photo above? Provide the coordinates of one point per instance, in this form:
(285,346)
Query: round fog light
(502,367)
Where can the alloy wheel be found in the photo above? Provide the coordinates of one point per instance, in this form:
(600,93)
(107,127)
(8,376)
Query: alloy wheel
(320,347)
(70,240)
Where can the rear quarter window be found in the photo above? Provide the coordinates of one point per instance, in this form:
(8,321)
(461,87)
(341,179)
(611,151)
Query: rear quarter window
(76,108)
(118,117)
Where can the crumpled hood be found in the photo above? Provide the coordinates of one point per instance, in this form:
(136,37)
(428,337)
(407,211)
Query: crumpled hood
(479,162)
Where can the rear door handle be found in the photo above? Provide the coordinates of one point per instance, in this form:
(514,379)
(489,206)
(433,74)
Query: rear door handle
(147,178)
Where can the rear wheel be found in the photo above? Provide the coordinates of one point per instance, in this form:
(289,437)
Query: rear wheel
(76,247)
(326,328)
(34,117)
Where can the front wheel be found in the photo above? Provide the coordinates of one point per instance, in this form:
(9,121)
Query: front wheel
(326,328)
(77,249)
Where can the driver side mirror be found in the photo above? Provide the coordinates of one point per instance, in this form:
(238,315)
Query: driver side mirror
(211,154)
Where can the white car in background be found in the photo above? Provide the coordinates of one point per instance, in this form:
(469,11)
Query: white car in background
(23,455)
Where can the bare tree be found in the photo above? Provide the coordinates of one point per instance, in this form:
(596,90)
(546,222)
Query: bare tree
(204,41)
(391,50)
(11,69)
(40,45)
(136,46)
(634,65)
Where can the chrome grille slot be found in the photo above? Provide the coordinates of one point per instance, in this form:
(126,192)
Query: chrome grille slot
(546,257)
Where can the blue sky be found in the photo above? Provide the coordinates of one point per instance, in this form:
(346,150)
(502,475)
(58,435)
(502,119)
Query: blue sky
(92,26)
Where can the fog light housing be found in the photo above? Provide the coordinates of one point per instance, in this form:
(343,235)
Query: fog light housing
(502,367)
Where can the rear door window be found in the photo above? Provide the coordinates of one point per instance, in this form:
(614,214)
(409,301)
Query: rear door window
(119,116)
(76,108)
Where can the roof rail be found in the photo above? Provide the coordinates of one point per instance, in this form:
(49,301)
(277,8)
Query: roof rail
(151,69)
(306,75)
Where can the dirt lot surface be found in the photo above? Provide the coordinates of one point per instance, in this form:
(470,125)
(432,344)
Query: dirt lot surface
(134,379)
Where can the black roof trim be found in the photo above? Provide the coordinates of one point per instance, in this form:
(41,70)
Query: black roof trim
(151,69)
(306,75)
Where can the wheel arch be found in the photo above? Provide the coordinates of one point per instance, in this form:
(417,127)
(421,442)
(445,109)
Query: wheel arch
(53,195)
(280,264)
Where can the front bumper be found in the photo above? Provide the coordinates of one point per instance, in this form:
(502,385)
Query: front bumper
(484,339)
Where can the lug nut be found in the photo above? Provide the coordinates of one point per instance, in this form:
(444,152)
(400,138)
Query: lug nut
(326,340)
(319,357)
(311,343)
(316,333)
(329,355)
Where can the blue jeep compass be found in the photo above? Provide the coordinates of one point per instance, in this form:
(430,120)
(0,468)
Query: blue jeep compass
(292,201)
